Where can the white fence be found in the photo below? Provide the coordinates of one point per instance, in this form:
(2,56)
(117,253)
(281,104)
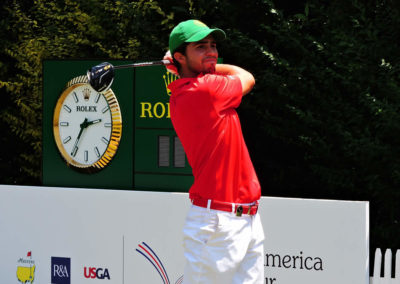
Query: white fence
(387,268)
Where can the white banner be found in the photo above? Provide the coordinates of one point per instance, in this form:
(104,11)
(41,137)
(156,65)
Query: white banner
(69,235)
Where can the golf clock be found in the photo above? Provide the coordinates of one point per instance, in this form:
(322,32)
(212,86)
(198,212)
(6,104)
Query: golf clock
(87,126)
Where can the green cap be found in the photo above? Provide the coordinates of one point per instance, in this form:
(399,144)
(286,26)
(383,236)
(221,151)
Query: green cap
(191,31)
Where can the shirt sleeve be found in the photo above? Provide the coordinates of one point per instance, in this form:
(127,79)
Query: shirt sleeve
(225,91)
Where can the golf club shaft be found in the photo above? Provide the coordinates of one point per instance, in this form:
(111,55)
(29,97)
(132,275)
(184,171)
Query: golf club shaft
(142,64)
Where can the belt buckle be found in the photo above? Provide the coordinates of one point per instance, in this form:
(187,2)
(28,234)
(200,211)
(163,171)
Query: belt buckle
(239,211)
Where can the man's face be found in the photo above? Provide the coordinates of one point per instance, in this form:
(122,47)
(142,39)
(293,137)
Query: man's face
(201,57)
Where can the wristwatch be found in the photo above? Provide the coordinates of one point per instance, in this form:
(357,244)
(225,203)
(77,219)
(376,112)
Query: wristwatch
(87,126)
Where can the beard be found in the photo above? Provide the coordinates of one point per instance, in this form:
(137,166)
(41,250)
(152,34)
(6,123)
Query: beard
(208,68)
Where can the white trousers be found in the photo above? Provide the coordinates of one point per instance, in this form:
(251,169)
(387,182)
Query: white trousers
(223,248)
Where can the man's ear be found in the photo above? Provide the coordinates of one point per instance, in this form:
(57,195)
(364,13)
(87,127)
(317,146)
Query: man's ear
(179,57)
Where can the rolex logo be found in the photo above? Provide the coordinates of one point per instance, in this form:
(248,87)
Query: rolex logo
(168,79)
(86,94)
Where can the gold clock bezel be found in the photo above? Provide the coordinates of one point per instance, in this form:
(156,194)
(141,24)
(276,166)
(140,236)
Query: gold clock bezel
(116,128)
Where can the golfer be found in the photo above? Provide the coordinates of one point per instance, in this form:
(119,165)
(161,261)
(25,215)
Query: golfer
(223,234)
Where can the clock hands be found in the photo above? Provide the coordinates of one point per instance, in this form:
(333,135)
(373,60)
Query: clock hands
(87,123)
(75,148)
(93,122)
(83,126)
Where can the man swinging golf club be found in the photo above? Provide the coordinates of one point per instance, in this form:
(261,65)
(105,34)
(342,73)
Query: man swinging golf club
(223,234)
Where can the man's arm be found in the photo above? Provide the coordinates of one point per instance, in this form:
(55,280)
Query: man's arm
(246,78)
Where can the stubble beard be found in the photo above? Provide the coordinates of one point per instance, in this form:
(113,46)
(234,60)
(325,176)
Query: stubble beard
(203,70)
(210,70)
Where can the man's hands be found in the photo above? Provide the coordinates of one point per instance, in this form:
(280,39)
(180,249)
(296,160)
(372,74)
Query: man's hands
(246,78)
(171,68)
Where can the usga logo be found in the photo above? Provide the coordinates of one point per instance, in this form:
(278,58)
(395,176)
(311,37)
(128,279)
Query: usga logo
(99,273)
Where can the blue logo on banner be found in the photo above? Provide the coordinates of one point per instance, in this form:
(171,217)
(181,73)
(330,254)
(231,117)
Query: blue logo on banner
(60,270)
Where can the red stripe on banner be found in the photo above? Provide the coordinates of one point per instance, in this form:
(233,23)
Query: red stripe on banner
(165,278)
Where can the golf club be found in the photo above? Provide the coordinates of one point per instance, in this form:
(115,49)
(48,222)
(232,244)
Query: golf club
(101,76)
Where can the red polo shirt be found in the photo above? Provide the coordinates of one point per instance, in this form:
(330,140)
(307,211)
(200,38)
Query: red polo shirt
(204,117)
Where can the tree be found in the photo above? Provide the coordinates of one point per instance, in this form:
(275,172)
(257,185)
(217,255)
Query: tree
(322,121)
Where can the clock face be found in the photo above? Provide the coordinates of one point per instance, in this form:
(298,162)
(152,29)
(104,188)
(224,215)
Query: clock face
(87,126)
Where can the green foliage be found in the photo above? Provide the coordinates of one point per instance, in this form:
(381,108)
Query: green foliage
(62,30)
(327,104)
(322,121)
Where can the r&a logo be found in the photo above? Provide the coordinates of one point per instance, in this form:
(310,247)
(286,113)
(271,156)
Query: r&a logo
(93,272)
(60,270)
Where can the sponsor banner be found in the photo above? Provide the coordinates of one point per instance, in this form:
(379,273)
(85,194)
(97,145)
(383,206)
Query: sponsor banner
(69,235)
(316,241)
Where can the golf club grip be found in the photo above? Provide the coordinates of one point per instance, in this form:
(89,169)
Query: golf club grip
(142,64)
